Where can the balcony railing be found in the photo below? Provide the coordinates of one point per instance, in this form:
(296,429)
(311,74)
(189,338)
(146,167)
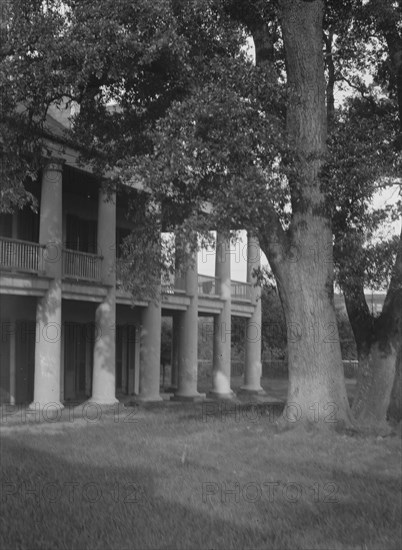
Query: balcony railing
(208,286)
(180,283)
(171,284)
(81,265)
(23,256)
(240,290)
(28,257)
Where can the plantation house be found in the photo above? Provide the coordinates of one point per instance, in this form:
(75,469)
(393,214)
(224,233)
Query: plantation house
(69,332)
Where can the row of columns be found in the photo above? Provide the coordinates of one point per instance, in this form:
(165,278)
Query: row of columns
(185,331)
(47,381)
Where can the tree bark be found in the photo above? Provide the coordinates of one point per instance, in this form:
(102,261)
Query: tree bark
(303,265)
(328,40)
(395,406)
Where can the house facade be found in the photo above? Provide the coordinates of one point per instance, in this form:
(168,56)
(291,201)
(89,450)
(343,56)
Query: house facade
(70,333)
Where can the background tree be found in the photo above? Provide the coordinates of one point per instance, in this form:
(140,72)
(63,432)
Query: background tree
(365,157)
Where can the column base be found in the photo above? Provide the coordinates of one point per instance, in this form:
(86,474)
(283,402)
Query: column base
(251,390)
(148,399)
(213,394)
(191,398)
(103,401)
(45,405)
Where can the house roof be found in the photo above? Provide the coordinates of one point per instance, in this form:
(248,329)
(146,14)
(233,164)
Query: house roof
(54,128)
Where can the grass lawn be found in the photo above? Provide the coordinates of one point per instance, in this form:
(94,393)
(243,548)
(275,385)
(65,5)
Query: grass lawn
(171,476)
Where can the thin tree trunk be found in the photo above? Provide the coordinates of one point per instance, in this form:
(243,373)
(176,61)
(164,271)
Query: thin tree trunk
(374,384)
(379,342)
(395,406)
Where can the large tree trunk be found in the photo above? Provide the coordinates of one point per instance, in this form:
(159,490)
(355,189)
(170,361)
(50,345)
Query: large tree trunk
(304,267)
(316,391)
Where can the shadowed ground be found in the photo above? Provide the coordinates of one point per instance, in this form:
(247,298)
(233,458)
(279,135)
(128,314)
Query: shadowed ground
(182,475)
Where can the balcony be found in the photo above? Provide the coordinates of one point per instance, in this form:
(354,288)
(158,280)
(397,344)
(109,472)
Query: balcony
(208,286)
(21,256)
(82,266)
(171,284)
(240,291)
(27,257)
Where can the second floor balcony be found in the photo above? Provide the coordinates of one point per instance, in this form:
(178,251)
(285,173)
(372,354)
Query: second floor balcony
(18,256)
(82,266)
(21,256)
(24,257)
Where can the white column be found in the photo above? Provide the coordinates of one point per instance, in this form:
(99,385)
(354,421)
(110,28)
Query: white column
(124,358)
(137,360)
(13,370)
(47,381)
(151,330)
(104,371)
(150,351)
(253,370)
(188,340)
(175,350)
(88,354)
(222,323)
(104,376)
(62,366)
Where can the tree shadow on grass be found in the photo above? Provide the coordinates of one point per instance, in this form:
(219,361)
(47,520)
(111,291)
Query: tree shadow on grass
(52,502)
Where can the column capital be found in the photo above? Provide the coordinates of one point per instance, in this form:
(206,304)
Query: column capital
(53,163)
(107,195)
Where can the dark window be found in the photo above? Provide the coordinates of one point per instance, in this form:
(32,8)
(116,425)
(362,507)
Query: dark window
(81,234)
(28,225)
(121,234)
(6,225)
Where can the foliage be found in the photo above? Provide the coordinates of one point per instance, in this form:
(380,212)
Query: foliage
(274,329)
(362,162)
(29,58)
